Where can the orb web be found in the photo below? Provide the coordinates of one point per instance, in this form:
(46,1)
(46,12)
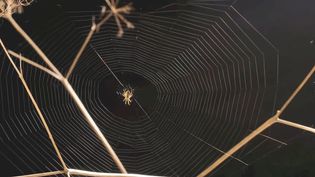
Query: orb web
(215,76)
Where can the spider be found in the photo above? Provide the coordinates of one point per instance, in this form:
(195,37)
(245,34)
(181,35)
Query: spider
(127,94)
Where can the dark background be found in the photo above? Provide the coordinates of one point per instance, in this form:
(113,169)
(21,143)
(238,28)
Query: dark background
(290,26)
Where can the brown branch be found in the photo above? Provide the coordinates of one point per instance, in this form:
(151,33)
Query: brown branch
(295,125)
(96,27)
(85,43)
(297,90)
(76,172)
(52,173)
(264,126)
(33,44)
(36,106)
(99,24)
(238,146)
(64,80)
(36,65)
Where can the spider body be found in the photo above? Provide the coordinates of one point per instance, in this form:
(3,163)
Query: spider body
(127,94)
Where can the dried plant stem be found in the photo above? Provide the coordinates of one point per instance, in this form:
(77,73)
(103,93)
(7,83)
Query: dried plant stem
(36,106)
(93,125)
(71,91)
(52,173)
(297,90)
(36,65)
(99,24)
(77,57)
(295,125)
(235,148)
(32,43)
(264,126)
(76,172)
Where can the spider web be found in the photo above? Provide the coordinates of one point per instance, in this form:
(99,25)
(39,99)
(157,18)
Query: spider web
(215,75)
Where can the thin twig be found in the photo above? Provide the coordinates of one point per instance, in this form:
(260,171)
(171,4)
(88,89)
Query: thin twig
(238,146)
(116,12)
(264,126)
(52,173)
(64,80)
(96,27)
(76,172)
(36,107)
(128,23)
(20,65)
(93,125)
(74,96)
(85,43)
(33,44)
(297,90)
(36,65)
(295,125)
(100,23)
